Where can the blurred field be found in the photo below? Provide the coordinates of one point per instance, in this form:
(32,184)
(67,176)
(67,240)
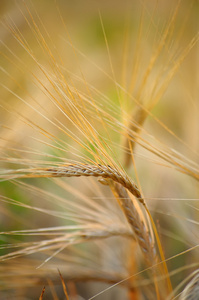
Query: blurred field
(106,83)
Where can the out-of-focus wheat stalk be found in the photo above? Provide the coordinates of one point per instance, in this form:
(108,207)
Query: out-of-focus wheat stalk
(191,291)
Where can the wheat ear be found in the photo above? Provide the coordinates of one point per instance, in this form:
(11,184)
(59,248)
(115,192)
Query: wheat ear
(77,170)
(142,230)
(121,183)
(138,224)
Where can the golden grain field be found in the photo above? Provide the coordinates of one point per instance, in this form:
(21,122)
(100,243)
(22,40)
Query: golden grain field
(99,195)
